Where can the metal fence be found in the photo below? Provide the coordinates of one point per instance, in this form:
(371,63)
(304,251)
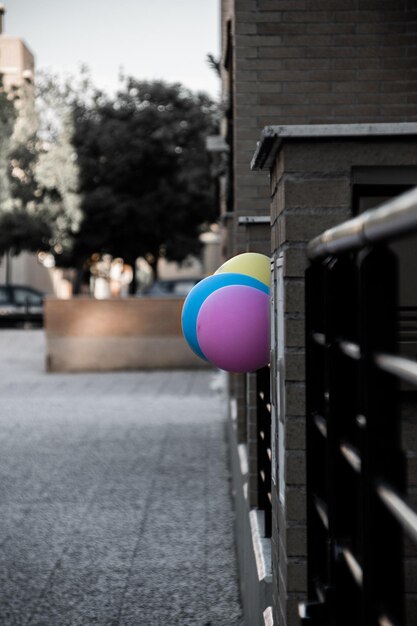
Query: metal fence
(357,507)
(264,446)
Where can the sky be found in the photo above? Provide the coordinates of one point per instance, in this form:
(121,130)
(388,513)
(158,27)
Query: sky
(149,39)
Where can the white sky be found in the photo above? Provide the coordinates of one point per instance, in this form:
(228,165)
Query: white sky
(149,39)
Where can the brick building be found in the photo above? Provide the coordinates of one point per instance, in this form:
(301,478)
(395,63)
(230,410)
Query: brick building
(17,63)
(332,88)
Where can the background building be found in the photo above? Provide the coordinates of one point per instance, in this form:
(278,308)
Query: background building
(17,63)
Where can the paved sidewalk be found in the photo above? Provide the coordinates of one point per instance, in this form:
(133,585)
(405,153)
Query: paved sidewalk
(114,496)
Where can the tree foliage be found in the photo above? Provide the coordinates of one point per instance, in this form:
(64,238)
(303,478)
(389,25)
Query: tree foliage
(20,227)
(7,123)
(25,226)
(127,174)
(22,231)
(43,170)
(144,172)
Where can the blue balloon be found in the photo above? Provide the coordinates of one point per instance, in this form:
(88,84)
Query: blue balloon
(200,292)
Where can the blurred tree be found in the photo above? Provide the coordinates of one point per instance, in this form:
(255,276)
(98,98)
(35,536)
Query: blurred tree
(24,226)
(14,228)
(8,116)
(22,231)
(43,172)
(144,172)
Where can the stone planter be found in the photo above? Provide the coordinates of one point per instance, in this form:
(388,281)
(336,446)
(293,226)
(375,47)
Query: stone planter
(84,334)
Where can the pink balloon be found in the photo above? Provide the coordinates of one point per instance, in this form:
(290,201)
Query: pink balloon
(233,328)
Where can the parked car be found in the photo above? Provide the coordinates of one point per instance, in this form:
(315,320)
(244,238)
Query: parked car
(20,306)
(178,287)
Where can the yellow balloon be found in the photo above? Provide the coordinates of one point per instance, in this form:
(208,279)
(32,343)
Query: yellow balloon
(249,263)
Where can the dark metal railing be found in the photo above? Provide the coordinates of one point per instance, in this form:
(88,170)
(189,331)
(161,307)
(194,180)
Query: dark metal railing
(357,507)
(264,446)
(395,217)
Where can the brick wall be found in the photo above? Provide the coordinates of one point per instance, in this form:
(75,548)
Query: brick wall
(300,188)
(313,62)
(307,62)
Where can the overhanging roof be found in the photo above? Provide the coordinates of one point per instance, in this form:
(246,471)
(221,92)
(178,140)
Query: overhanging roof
(272,137)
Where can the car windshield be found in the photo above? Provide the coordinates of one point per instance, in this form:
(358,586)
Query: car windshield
(26,296)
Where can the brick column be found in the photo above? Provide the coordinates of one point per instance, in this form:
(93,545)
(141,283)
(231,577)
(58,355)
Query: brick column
(311,185)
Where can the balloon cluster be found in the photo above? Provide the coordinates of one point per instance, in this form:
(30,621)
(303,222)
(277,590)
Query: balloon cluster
(225,317)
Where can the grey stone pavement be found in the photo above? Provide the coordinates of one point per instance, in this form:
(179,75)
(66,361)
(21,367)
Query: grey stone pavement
(115,503)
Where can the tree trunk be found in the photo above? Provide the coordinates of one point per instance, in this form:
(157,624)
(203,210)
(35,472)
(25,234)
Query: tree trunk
(8,267)
(77,281)
(134,284)
(154,266)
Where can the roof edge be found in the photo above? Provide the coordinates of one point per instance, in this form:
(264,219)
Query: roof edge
(273,136)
